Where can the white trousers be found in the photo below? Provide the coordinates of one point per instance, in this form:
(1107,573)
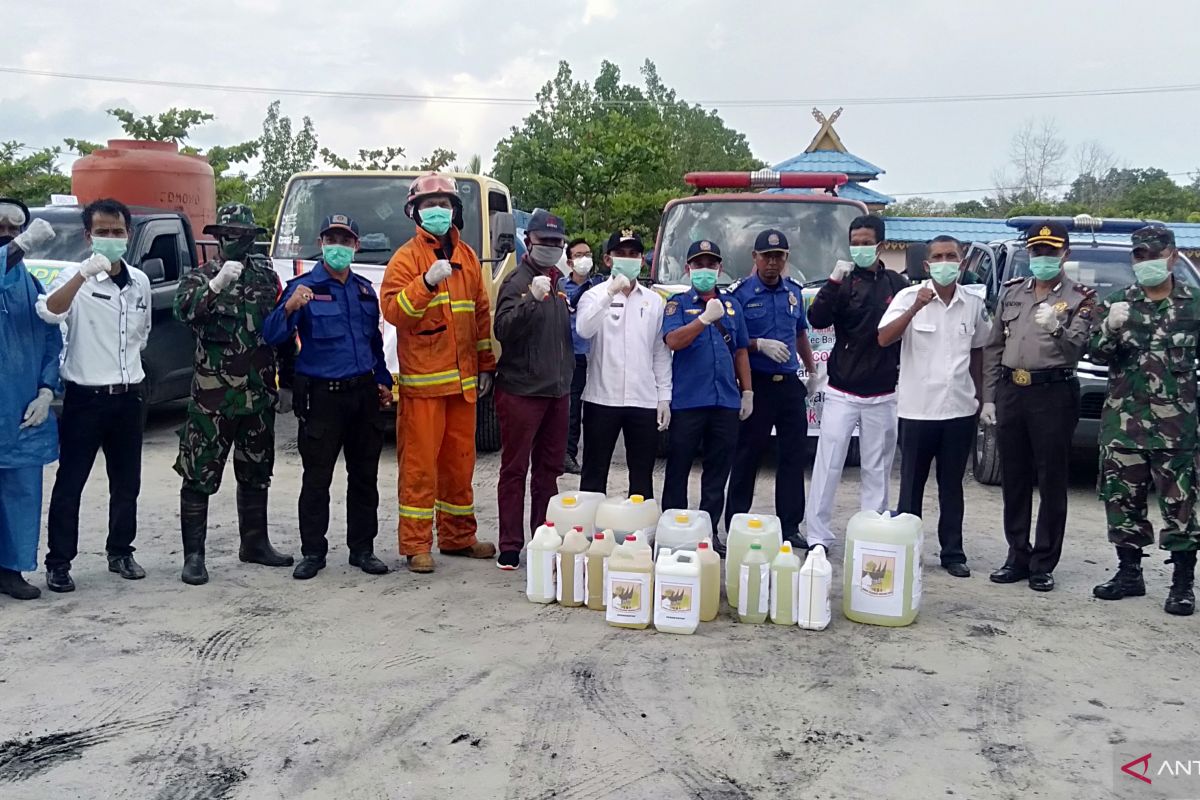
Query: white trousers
(876,421)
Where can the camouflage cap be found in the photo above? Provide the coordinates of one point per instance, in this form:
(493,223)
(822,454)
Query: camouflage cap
(1155,238)
(236,219)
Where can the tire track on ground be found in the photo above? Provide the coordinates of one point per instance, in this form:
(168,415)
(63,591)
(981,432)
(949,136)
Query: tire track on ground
(21,759)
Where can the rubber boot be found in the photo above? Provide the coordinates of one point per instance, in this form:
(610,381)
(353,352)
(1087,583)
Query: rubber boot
(193,523)
(252,523)
(1127,581)
(1180,600)
(13,584)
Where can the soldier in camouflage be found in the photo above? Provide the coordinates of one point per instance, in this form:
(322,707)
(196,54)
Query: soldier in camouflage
(1148,338)
(233,392)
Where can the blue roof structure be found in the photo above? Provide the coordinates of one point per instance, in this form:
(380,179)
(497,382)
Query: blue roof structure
(851,191)
(830,161)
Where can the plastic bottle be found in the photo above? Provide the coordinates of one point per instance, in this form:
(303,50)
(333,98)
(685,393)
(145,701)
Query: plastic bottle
(785,575)
(624,515)
(882,569)
(539,564)
(815,581)
(630,585)
(745,529)
(568,509)
(680,529)
(597,569)
(571,566)
(755,586)
(677,592)
(710,581)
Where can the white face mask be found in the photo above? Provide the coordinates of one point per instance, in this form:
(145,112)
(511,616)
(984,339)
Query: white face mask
(582,265)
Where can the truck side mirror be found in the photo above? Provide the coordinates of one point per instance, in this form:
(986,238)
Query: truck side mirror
(504,233)
(154,268)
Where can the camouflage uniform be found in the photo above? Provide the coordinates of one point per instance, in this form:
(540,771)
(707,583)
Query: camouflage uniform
(1148,428)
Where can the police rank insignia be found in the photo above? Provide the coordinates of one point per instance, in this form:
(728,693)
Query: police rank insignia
(671,308)
(729,308)
(1045,231)
(1060,307)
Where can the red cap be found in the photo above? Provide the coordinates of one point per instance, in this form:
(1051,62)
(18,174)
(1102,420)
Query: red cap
(631,537)
(598,535)
(549,524)
(579,528)
(702,546)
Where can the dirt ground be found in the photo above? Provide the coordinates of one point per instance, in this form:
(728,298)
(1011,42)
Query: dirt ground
(452,685)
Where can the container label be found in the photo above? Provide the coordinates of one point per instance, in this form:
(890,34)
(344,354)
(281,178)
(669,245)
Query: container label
(540,577)
(795,597)
(579,589)
(764,589)
(677,602)
(877,582)
(628,598)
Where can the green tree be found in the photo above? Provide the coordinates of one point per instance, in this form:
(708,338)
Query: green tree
(30,174)
(283,154)
(383,159)
(172,125)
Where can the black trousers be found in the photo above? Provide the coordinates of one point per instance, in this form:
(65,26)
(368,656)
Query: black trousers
(575,417)
(333,422)
(949,442)
(92,422)
(778,404)
(1035,425)
(601,426)
(715,432)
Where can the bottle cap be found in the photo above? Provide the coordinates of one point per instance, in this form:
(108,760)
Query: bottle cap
(786,547)
(636,498)
(549,524)
(568,501)
(578,528)
(702,546)
(756,546)
(681,519)
(755,523)
(631,537)
(599,535)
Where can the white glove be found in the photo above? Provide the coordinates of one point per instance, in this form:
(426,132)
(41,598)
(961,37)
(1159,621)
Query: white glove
(437,273)
(988,415)
(539,287)
(840,270)
(713,311)
(94,265)
(486,379)
(664,415)
(1045,316)
(38,410)
(1118,315)
(38,232)
(285,401)
(617,284)
(747,405)
(230,272)
(774,349)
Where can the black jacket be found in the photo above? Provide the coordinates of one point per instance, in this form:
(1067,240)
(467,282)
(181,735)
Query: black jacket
(537,358)
(858,365)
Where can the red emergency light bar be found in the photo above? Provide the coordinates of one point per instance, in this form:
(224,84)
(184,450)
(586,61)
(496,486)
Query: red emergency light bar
(766,179)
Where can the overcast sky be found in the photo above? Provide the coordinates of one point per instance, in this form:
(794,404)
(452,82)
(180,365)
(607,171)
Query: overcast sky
(707,50)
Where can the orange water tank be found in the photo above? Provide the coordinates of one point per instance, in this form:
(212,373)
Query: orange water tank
(153,174)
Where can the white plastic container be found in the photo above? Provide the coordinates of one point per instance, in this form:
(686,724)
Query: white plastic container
(677,592)
(630,585)
(680,529)
(755,578)
(785,573)
(815,581)
(882,569)
(625,515)
(540,555)
(744,530)
(568,509)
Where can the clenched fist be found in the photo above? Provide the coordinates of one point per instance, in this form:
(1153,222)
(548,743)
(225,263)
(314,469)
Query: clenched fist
(230,272)
(713,311)
(438,272)
(539,287)
(1118,315)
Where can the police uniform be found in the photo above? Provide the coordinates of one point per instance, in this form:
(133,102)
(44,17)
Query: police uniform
(773,312)
(1029,374)
(705,397)
(338,371)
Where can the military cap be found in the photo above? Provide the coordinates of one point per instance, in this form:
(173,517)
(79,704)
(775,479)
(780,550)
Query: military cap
(770,241)
(624,237)
(235,219)
(1047,231)
(1154,238)
(339,222)
(704,247)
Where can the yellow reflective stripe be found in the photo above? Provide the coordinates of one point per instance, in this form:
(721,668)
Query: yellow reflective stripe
(429,379)
(450,508)
(440,299)
(406,305)
(469,383)
(412,512)
(462,305)
(483,344)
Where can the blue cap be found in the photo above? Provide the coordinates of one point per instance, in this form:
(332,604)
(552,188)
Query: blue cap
(543,222)
(771,240)
(704,247)
(339,222)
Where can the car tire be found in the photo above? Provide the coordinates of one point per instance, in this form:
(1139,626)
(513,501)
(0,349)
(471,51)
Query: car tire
(487,425)
(985,457)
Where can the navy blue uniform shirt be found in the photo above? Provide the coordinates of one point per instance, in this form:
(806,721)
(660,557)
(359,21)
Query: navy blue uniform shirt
(702,373)
(773,312)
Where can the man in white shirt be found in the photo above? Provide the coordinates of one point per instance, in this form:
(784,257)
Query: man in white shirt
(105,305)
(629,371)
(942,328)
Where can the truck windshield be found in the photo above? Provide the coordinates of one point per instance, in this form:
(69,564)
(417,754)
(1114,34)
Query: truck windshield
(69,243)
(375,202)
(817,233)
(1105,269)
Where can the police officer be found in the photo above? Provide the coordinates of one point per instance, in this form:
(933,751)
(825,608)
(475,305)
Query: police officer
(1031,394)
(1147,335)
(777,326)
(342,383)
(710,383)
(226,302)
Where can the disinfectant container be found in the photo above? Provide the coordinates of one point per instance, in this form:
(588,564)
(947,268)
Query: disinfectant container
(754,586)
(677,591)
(785,573)
(680,529)
(745,529)
(626,515)
(568,509)
(597,569)
(540,556)
(630,584)
(710,581)
(815,581)
(571,565)
(883,569)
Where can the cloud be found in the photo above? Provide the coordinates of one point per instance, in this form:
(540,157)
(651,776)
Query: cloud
(598,9)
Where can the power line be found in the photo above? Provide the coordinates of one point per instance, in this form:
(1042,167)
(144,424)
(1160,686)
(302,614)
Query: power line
(1007,188)
(525,101)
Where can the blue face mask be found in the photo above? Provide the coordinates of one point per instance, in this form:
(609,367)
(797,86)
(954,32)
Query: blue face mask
(1045,268)
(1152,272)
(436,220)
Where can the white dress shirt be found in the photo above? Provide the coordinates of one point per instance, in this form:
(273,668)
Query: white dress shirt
(630,364)
(104,330)
(935,352)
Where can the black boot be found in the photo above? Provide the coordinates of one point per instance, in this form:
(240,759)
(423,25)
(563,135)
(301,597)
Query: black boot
(1127,581)
(16,587)
(252,522)
(1180,600)
(193,523)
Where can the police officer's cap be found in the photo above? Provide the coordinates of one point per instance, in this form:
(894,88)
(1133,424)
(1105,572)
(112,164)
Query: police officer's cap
(1047,231)
(1153,238)
(624,238)
(704,247)
(339,222)
(771,241)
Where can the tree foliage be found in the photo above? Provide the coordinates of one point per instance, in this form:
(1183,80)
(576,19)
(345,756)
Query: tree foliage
(172,125)
(283,153)
(31,175)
